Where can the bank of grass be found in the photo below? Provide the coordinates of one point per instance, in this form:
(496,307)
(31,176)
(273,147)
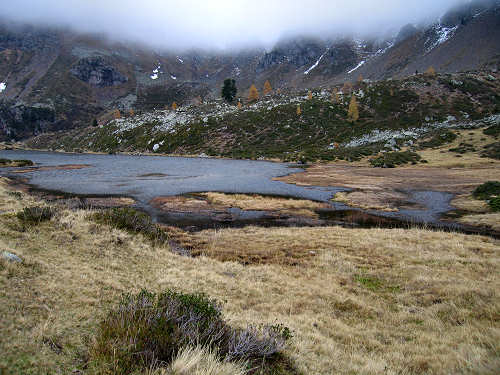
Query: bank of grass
(365,301)
(269,203)
(15,163)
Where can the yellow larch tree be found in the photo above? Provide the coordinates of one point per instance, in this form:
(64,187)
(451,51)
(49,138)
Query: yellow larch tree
(267,88)
(353,113)
(431,72)
(239,105)
(299,111)
(347,88)
(253,94)
(174,106)
(335,96)
(309,95)
(117,114)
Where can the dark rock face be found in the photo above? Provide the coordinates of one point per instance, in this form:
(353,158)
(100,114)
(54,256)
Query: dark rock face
(18,120)
(406,32)
(340,57)
(297,52)
(96,71)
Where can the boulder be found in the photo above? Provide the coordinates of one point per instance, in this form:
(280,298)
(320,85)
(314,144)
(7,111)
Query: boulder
(11,257)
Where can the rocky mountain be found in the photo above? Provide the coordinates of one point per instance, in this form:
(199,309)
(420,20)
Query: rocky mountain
(54,79)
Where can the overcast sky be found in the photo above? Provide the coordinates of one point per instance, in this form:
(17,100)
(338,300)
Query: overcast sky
(223,23)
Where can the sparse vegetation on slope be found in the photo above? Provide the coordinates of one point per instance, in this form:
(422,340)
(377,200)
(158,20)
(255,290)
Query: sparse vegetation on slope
(391,114)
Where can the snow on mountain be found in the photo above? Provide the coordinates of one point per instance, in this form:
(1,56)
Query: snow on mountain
(3,86)
(357,67)
(156,72)
(316,63)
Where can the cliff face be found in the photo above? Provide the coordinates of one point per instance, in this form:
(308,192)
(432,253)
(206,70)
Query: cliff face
(56,79)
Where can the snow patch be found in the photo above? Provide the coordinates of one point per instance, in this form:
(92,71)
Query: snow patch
(443,35)
(156,72)
(173,77)
(3,86)
(357,67)
(316,63)
(180,60)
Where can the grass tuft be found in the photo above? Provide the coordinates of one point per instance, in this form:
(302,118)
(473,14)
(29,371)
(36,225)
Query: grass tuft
(35,215)
(132,221)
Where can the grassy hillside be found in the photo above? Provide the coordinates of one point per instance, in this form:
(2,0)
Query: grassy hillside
(392,114)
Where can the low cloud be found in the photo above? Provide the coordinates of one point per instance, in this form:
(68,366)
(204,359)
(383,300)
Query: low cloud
(223,23)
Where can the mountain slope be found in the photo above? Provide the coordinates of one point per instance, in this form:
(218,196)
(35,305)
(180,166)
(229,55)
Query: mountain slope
(53,79)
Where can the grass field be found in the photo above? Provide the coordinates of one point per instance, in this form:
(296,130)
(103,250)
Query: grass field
(358,301)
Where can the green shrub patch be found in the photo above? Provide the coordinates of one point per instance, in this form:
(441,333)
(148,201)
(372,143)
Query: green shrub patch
(35,215)
(148,329)
(393,159)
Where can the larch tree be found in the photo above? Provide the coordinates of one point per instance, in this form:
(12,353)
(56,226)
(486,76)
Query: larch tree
(239,105)
(117,114)
(347,88)
(353,113)
(174,106)
(335,96)
(309,95)
(267,88)
(253,94)
(131,112)
(431,72)
(360,78)
(299,111)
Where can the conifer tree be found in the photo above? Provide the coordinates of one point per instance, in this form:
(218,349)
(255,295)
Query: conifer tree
(229,90)
(267,88)
(353,113)
(239,105)
(131,112)
(174,106)
(299,111)
(254,94)
(117,114)
(309,95)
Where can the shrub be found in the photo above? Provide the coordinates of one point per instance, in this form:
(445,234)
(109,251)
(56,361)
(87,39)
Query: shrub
(132,221)
(35,215)
(393,159)
(147,328)
(438,139)
(487,190)
(494,204)
(494,131)
(492,151)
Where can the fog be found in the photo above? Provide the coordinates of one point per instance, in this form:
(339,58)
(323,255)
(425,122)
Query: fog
(223,23)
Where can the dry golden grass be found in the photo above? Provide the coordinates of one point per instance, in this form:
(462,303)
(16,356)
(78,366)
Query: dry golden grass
(368,302)
(259,202)
(489,220)
(468,203)
(441,157)
(366,200)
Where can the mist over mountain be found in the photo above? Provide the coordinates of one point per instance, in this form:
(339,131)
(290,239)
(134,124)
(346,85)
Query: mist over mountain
(63,65)
(223,23)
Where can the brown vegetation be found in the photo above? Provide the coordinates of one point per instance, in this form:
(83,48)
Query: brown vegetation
(365,301)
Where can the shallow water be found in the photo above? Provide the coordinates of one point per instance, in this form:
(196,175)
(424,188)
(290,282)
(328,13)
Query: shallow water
(146,177)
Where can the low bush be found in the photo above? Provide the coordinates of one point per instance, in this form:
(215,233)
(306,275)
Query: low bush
(494,204)
(35,215)
(147,329)
(494,131)
(393,159)
(438,139)
(487,190)
(463,148)
(492,151)
(132,221)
